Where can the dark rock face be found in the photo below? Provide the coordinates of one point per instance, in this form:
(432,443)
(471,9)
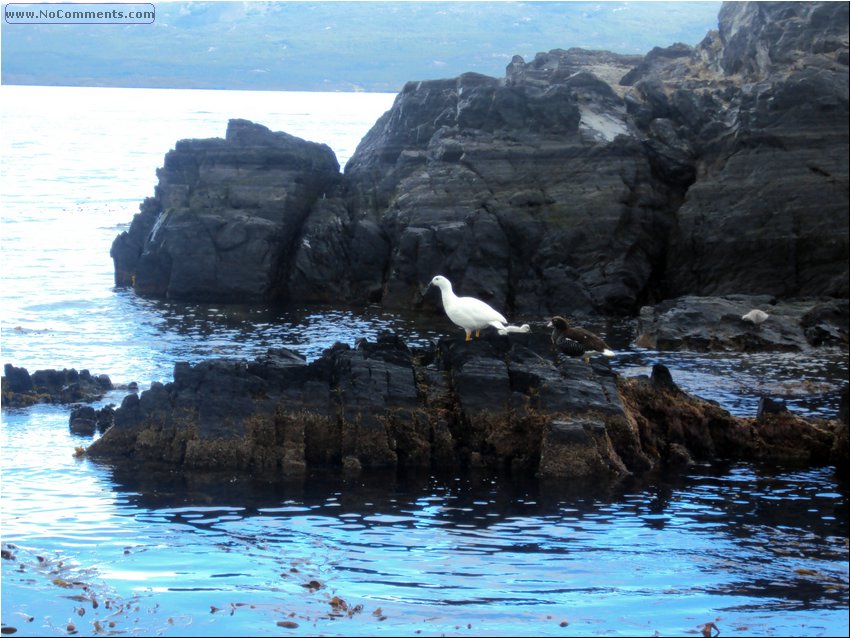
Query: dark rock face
(20,388)
(760,39)
(225,217)
(496,403)
(582,182)
(768,212)
(85,420)
(492,184)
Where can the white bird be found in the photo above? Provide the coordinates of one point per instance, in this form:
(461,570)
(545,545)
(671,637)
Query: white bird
(469,313)
(755,316)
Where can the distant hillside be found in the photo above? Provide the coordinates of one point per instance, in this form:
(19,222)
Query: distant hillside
(371,46)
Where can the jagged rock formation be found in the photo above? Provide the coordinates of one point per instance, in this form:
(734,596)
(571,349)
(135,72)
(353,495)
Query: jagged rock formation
(503,404)
(582,182)
(493,403)
(681,428)
(762,108)
(225,217)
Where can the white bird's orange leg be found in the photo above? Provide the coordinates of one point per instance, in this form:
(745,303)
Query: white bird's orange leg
(468,335)
(477,333)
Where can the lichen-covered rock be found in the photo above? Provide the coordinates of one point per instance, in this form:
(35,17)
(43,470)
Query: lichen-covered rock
(674,424)
(786,438)
(676,427)
(578,449)
(380,405)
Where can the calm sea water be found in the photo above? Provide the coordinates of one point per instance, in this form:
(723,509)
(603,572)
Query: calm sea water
(756,551)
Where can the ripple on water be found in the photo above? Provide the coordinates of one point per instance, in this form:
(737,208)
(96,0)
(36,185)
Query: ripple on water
(696,547)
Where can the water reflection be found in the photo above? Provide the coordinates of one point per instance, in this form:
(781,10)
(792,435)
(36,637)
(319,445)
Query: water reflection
(734,499)
(510,556)
(741,531)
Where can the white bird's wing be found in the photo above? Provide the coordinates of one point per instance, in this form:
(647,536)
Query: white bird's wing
(476,312)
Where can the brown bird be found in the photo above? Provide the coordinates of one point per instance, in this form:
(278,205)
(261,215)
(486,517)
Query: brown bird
(575,342)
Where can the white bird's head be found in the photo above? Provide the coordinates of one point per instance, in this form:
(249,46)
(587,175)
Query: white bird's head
(441,282)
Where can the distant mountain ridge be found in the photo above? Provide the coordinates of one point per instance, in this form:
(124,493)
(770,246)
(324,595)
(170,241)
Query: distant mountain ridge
(348,46)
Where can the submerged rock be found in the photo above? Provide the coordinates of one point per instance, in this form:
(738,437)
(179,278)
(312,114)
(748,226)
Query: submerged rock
(506,404)
(85,420)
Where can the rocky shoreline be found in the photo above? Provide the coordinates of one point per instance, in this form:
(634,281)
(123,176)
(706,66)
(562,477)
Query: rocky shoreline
(508,404)
(717,324)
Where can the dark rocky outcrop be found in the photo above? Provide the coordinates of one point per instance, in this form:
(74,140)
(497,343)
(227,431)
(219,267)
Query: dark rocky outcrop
(764,105)
(715,323)
(224,220)
(682,428)
(494,403)
(20,388)
(582,182)
(497,403)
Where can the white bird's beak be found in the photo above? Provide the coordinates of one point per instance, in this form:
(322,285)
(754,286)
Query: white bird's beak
(424,291)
